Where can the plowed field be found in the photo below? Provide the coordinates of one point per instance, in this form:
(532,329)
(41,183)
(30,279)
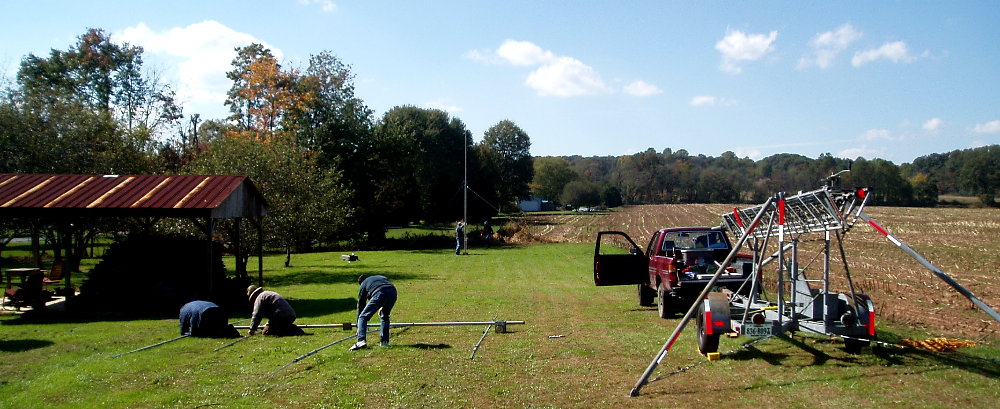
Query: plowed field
(964,243)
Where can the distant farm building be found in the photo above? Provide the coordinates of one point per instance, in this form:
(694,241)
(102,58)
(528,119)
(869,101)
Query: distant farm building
(535,204)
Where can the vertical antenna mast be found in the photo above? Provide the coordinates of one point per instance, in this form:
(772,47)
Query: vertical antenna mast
(465,193)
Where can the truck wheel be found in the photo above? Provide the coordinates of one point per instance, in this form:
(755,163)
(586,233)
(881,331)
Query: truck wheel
(645,294)
(706,343)
(662,301)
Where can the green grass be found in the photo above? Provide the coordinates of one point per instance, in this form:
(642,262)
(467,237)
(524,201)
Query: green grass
(607,342)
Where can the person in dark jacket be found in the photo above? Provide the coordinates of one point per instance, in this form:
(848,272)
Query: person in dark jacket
(271,305)
(376,294)
(487,233)
(206,319)
(459,236)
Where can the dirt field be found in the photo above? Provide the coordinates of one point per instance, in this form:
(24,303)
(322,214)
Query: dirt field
(964,243)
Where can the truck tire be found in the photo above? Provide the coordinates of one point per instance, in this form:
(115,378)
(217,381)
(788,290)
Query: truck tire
(646,295)
(706,343)
(663,308)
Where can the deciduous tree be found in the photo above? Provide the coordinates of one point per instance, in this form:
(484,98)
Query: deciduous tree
(508,154)
(305,202)
(551,176)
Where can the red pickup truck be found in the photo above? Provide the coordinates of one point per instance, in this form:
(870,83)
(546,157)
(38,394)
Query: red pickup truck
(674,268)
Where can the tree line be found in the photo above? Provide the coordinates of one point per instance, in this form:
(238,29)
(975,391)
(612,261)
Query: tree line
(329,169)
(332,172)
(669,176)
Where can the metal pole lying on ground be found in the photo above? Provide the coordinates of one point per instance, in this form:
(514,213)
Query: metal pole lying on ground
(164,342)
(476,347)
(694,307)
(500,325)
(350,325)
(150,346)
(231,343)
(234,342)
(313,352)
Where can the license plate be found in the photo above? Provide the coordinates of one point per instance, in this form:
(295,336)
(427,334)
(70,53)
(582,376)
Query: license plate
(756,330)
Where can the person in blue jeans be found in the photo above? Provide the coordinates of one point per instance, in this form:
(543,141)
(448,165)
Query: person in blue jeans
(459,236)
(376,294)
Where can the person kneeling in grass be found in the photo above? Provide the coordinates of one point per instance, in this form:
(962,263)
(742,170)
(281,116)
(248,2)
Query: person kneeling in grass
(280,315)
(206,319)
(376,294)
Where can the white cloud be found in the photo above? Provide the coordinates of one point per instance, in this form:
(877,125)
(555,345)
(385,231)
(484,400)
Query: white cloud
(450,109)
(933,124)
(566,77)
(326,5)
(524,53)
(826,46)
(989,127)
(558,76)
(896,52)
(703,101)
(861,151)
(751,153)
(204,52)
(711,101)
(738,46)
(879,134)
(642,89)
(480,56)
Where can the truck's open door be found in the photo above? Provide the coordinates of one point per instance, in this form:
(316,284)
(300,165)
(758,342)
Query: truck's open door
(618,260)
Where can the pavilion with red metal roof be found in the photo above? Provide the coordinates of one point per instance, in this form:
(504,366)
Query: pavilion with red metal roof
(203,199)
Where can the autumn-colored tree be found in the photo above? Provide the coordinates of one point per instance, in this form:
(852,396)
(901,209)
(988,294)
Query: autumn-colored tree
(263,94)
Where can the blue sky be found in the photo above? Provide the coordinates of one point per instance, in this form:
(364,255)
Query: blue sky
(891,80)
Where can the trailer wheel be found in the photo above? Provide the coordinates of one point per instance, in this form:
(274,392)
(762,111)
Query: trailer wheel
(662,301)
(645,294)
(706,343)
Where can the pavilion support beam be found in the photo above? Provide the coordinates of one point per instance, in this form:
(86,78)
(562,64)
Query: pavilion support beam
(241,267)
(257,223)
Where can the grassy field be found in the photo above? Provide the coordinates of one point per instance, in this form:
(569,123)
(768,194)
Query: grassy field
(606,342)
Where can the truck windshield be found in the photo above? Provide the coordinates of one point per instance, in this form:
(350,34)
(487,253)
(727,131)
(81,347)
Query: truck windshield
(686,240)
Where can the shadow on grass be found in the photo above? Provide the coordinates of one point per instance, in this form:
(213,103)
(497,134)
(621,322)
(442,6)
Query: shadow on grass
(304,277)
(21,345)
(908,360)
(770,384)
(910,357)
(81,318)
(339,277)
(473,248)
(318,307)
(428,346)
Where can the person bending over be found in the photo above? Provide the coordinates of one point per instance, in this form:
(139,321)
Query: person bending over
(206,319)
(376,294)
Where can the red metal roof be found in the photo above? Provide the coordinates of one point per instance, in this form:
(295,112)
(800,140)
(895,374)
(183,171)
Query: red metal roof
(162,195)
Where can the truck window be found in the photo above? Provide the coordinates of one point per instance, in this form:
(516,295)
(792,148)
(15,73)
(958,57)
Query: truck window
(686,240)
(652,246)
(709,240)
(668,245)
(716,240)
